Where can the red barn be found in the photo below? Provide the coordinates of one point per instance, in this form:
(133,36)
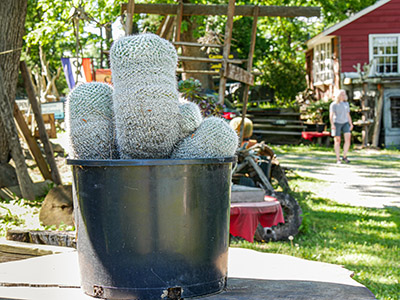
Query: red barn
(361,54)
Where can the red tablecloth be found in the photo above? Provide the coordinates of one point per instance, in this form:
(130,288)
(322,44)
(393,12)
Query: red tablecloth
(245,217)
(309,135)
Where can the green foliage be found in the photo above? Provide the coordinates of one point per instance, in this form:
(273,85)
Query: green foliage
(50,24)
(191,90)
(61,227)
(287,78)
(318,111)
(280,43)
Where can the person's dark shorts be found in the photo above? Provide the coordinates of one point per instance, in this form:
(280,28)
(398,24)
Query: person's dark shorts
(341,127)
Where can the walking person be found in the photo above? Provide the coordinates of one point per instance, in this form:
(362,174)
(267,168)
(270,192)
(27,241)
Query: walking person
(339,116)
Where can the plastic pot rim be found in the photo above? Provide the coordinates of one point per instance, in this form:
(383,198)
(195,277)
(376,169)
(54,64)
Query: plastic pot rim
(149,162)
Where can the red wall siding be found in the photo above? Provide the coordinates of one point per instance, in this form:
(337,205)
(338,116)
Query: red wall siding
(354,36)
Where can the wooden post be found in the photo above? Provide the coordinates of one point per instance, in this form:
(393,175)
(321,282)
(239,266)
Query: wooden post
(249,67)
(378,117)
(226,50)
(55,175)
(31,141)
(364,133)
(6,115)
(178,21)
(129,17)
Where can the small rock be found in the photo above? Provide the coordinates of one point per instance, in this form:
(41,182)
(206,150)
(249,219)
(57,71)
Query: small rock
(57,148)
(57,207)
(8,176)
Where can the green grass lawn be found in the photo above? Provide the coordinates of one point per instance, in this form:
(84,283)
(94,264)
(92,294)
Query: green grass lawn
(363,240)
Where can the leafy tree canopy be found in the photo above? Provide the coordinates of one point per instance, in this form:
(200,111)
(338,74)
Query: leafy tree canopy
(280,46)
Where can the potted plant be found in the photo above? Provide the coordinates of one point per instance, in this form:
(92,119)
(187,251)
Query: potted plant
(152,181)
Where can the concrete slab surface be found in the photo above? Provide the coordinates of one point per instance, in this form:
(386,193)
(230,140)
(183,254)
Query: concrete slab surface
(251,275)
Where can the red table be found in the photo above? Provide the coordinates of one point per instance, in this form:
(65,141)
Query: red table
(245,217)
(309,135)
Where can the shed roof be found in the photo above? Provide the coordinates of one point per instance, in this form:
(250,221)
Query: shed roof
(316,39)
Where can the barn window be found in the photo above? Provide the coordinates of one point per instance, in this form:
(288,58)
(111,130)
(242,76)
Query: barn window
(384,53)
(323,65)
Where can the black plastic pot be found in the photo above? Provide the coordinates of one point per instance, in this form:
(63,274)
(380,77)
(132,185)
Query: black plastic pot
(152,229)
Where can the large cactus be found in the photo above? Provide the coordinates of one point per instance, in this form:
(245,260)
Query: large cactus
(89,120)
(145,96)
(213,138)
(148,120)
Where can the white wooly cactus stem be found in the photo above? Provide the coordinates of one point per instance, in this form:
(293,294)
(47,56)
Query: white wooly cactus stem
(89,121)
(213,138)
(191,117)
(145,96)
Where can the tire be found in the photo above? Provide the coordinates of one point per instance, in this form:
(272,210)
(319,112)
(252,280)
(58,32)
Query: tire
(292,215)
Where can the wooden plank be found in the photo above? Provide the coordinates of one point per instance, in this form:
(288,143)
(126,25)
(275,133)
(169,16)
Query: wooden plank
(269,113)
(378,118)
(48,149)
(249,67)
(273,132)
(208,72)
(130,10)
(6,116)
(49,120)
(40,190)
(210,60)
(301,127)
(256,13)
(178,21)
(30,250)
(226,50)
(221,10)
(190,44)
(240,74)
(276,120)
(164,30)
(31,141)
(43,237)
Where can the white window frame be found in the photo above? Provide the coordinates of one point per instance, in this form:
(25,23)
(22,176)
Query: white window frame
(373,59)
(323,63)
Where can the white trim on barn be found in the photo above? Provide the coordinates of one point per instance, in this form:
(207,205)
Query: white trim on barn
(316,39)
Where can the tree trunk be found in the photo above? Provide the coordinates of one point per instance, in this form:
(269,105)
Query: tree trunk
(6,117)
(12,20)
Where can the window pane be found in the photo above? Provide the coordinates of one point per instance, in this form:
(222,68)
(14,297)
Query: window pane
(385,41)
(381,50)
(388,50)
(375,50)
